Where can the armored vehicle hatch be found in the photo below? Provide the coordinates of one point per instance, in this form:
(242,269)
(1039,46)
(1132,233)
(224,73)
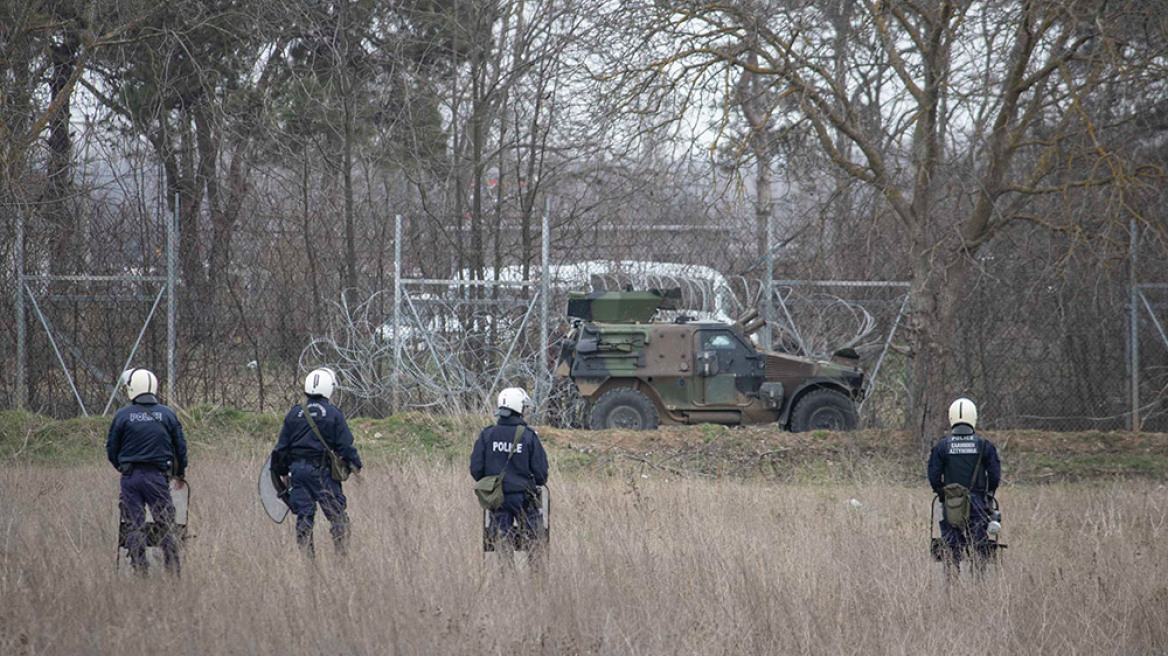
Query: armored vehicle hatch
(622,307)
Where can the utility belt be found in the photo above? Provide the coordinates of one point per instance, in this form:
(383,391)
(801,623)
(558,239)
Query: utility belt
(317,462)
(530,497)
(980,494)
(127,467)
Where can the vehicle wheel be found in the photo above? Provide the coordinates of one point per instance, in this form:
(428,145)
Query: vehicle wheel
(824,409)
(627,409)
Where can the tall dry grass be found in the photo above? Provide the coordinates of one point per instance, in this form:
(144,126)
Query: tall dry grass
(659,567)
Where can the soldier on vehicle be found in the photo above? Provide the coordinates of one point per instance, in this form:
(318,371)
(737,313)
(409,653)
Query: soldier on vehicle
(964,471)
(304,463)
(527,468)
(146,445)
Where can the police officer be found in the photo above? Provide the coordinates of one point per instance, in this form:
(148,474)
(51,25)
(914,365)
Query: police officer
(955,459)
(302,462)
(526,469)
(146,445)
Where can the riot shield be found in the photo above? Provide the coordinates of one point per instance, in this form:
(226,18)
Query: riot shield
(543,531)
(181,498)
(937,548)
(273,493)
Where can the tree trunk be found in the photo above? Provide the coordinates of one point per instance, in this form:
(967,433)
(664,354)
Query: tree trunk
(310,251)
(750,96)
(223,221)
(347,101)
(180,171)
(207,180)
(478,109)
(350,219)
(763,202)
(180,188)
(938,289)
(67,242)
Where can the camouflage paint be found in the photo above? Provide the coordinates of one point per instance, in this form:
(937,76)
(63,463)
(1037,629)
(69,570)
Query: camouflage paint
(661,360)
(622,307)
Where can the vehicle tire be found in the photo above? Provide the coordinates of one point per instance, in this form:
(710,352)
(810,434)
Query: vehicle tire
(626,409)
(824,409)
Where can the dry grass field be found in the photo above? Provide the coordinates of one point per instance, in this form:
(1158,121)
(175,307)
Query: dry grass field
(638,566)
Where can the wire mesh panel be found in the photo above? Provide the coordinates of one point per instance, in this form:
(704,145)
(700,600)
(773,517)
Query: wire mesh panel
(819,318)
(1043,357)
(81,336)
(1152,304)
(1049,353)
(84,313)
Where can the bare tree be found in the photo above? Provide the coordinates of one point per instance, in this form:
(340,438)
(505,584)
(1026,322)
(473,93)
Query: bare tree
(978,102)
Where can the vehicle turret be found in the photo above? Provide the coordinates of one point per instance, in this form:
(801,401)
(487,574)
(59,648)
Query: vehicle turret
(622,306)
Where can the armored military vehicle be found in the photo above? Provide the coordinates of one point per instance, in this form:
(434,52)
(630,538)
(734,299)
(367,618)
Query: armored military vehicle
(637,373)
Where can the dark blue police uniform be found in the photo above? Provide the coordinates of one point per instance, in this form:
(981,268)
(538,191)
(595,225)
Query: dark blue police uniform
(299,453)
(527,469)
(146,444)
(954,460)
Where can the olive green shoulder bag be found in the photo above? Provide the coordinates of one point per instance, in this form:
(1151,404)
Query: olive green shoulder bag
(489,489)
(957,497)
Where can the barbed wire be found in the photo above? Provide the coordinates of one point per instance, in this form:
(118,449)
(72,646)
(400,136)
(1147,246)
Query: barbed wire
(1029,365)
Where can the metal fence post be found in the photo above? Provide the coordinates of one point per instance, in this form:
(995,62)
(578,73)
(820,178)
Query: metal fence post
(543,383)
(21,345)
(171,301)
(1134,309)
(768,308)
(397,299)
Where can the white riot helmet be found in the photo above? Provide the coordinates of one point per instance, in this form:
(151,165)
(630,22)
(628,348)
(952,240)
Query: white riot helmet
(320,382)
(963,411)
(513,399)
(138,381)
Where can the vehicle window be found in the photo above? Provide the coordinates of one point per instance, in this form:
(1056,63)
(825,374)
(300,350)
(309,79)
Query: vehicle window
(719,342)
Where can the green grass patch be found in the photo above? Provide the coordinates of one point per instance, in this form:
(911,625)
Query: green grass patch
(33,438)
(569,460)
(445,438)
(699,451)
(1031,468)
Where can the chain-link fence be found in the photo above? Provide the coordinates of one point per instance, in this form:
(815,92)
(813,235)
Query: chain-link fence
(818,318)
(1151,354)
(1047,356)
(1033,355)
(73,332)
(1032,359)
